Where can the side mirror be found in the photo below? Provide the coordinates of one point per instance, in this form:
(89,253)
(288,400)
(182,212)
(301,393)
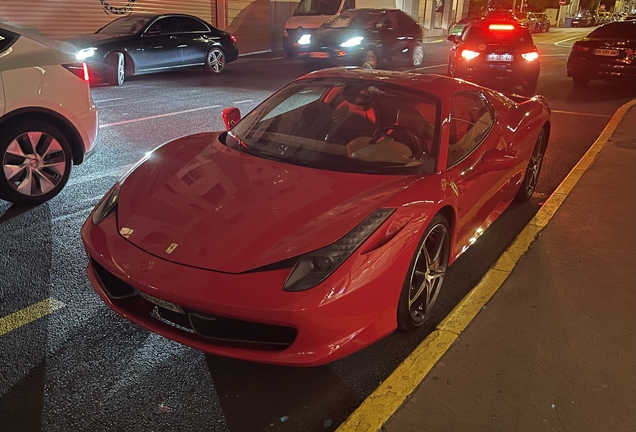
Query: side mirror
(452,38)
(493,160)
(231,116)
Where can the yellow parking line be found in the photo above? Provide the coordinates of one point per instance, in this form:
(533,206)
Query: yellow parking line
(580,113)
(29,314)
(383,403)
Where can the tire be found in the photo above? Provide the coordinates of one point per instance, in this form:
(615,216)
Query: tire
(531,176)
(290,51)
(215,61)
(370,60)
(418,55)
(425,275)
(529,88)
(116,69)
(32,176)
(547,28)
(580,81)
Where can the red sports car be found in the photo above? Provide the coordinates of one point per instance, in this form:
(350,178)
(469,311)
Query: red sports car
(320,222)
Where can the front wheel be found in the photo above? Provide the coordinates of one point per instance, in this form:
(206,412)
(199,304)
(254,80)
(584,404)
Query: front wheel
(418,55)
(531,176)
(425,276)
(580,81)
(215,61)
(529,88)
(116,69)
(370,60)
(36,162)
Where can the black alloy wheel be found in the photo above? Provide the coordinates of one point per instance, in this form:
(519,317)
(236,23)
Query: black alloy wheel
(116,69)
(533,170)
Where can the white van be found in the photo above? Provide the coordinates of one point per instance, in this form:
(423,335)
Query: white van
(311,14)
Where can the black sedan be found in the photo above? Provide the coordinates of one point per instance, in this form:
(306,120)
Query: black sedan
(141,43)
(608,53)
(366,37)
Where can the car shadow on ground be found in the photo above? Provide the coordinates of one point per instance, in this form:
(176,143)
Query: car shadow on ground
(601,91)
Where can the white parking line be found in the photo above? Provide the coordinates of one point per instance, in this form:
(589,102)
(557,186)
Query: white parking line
(565,40)
(580,113)
(244,101)
(158,116)
(554,55)
(107,100)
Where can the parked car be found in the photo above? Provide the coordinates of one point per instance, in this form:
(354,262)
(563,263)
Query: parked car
(501,14)
(606,54)
(596,19)
(628,18)
(48,120)
(365,37)
(529,20)
(542,22)
(582,19)
(143,43)
(319,223)
(491,51)
(458,27)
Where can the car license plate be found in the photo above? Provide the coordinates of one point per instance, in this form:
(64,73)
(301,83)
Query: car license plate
(164,304)
(499,57)
(605,52)
(314,54)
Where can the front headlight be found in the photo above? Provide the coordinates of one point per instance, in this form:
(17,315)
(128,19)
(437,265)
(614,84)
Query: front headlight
(355,41)
(85,53)
(107,205)
(304,39)
(314,267)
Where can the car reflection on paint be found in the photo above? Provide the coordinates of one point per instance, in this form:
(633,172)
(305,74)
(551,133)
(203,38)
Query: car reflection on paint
(320,222)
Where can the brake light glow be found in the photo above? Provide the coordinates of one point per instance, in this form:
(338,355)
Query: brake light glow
(507,27)
(233,38)
(577,47)
(469,55)
(80,70)
(531,56)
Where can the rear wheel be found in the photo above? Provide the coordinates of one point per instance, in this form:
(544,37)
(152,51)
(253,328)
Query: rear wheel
(580,81)
(425,276)
(531,176)
(370,60)
(215,61)
(115,69)
(529,88)
(36,162)
(418,55)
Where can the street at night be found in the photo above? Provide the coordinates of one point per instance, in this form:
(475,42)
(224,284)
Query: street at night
(83,367)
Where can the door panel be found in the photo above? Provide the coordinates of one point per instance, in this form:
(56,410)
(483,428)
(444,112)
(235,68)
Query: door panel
(195,40)
(161,44)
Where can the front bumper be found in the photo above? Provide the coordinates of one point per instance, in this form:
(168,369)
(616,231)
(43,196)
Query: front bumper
(333,55)
(347,312)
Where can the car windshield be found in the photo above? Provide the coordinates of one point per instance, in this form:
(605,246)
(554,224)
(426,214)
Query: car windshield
(126,25)
(500,34)
(362,20)
(350,125)
(317,7)
(616,30)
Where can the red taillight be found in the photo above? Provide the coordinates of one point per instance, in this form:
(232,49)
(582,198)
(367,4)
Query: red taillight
(233,38)
(496,27)
(469,55)
(531,56)
(579,47)
(78,69)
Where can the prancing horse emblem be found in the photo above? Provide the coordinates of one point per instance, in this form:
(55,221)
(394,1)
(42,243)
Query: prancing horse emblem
(171,248)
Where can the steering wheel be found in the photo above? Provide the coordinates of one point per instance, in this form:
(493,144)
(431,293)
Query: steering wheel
(399,134)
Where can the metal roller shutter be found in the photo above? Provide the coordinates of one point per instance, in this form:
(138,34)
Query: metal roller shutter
(60,19)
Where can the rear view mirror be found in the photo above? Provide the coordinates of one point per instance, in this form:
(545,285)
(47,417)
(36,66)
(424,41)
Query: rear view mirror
(452,38)
(231,116)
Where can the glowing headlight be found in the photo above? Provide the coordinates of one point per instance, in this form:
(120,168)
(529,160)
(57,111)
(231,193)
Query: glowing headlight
(304,39)
(85,53)
(107,205)
(314,267)
(355,41)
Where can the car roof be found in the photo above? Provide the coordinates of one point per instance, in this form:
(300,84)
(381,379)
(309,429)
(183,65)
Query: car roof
(441,86)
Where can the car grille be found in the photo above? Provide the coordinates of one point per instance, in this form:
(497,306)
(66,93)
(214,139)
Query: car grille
(222,330)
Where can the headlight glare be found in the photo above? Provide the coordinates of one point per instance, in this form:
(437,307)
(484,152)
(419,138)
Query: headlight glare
(85,53)
(107,205)
(314,267)
(354,41)
(304,39)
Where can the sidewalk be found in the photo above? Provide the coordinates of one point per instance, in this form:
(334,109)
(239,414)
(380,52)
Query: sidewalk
(555,348)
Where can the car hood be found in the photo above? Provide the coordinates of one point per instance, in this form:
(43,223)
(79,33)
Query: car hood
(334,37)
(306,21)
(232,212)
(96,39)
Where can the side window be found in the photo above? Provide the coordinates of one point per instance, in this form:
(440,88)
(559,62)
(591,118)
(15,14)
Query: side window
(163,26)
(470,122)
(348,4)
(191,25)
(391,21)
(6,39)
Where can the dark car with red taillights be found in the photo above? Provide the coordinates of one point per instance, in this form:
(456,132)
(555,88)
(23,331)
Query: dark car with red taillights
(489,51)
(608,53)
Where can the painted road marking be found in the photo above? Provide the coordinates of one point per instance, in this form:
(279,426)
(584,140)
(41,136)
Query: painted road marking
(157,116)
(108,100)
(565,40)
(243,101)
(29,314)
(580,113)
(376,410)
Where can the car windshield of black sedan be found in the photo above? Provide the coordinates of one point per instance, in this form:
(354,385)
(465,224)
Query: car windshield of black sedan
(126,25)
(317,7)
(616,30)
(347,125)
(362,20)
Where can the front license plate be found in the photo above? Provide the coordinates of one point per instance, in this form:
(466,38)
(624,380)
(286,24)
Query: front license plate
(164,304)
(605,52)
(314,54)
(499,57)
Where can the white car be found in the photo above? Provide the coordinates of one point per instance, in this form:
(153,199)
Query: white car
(48,120)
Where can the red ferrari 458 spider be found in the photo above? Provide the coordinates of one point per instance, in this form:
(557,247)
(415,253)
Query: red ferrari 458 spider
(320,222)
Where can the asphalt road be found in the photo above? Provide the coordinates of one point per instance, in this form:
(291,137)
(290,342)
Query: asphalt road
(84,368)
